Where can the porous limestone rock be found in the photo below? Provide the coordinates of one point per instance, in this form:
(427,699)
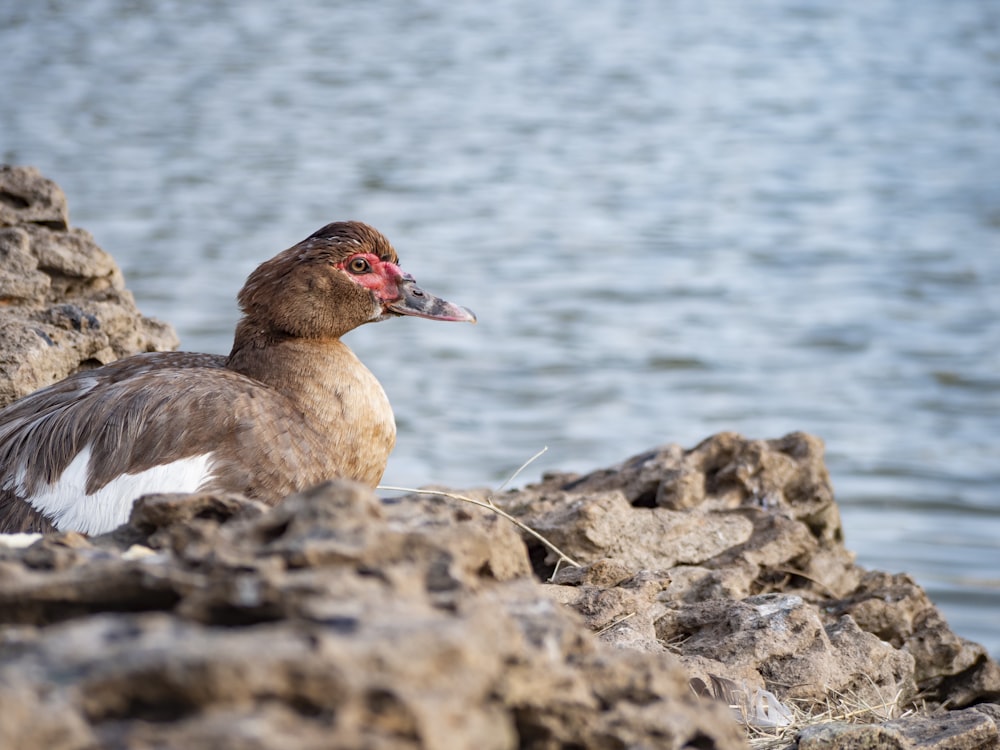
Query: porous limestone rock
(63,303)
(731,556)
(330,621)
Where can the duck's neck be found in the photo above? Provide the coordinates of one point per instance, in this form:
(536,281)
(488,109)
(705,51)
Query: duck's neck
(304,370)
(334,390)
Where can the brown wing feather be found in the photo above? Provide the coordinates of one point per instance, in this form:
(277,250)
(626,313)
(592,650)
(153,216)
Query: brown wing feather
(150,410)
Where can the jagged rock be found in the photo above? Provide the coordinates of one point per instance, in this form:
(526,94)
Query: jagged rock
(332,620)
(949,668)
(614,602)
(731,555)
(786,642)
(63,302)
(955,730)
(338,618)
(28,198)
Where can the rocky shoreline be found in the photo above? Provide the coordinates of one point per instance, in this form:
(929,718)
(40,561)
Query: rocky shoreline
(713,602)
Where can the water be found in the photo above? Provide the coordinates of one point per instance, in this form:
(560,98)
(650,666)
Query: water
(672,218)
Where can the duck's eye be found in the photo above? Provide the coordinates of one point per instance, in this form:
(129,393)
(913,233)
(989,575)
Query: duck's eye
(359,265)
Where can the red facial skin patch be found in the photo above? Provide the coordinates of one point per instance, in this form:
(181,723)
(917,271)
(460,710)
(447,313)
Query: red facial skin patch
(381,276)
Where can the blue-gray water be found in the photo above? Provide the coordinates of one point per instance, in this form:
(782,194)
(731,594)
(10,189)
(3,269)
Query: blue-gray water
(672,217)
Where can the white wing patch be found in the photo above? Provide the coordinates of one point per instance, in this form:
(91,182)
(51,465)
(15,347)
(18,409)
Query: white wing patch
(67,505)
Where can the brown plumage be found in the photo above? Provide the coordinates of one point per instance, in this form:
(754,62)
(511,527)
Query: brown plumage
(290,406)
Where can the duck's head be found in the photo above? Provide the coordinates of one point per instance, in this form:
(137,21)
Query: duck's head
(338,278)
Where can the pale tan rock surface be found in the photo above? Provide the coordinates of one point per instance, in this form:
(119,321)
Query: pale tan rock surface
(326,622)
(63,302)
(731,556)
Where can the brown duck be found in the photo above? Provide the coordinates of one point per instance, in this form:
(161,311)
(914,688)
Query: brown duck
(291,406)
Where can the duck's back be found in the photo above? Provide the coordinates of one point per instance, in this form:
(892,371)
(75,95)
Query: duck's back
(77,454)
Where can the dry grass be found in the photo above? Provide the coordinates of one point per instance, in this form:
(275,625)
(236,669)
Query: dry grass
(849,707)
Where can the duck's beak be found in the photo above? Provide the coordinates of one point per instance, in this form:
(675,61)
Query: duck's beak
(413,300)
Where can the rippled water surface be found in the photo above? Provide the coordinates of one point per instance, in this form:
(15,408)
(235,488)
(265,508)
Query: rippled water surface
(672,218)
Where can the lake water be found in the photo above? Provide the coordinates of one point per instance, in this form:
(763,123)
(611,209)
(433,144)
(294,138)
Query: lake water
(673,218)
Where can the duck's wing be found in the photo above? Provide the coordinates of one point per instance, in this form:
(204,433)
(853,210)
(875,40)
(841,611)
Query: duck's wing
(75,455)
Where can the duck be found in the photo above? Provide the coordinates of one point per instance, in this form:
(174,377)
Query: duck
(290,406)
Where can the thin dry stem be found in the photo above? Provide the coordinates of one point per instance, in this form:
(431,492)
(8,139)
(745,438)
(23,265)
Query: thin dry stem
(613,623)
(490,505)
(520,468)
(791,571)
